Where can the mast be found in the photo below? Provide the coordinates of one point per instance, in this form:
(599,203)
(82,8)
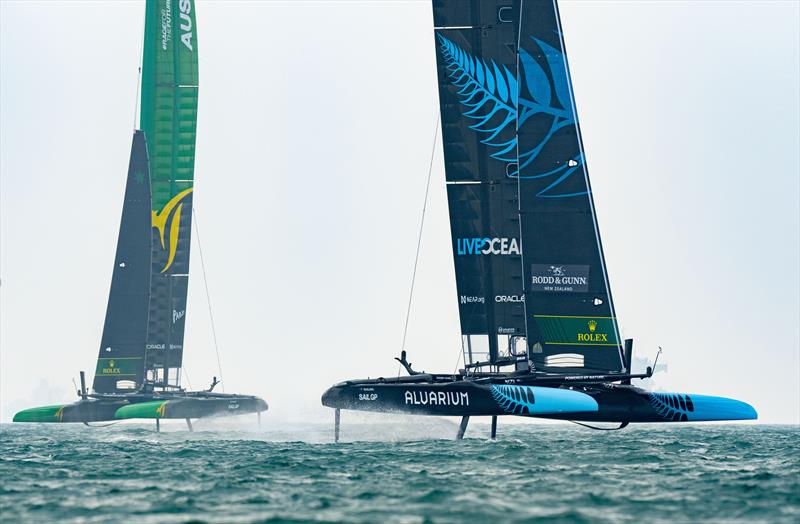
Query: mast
(120,363)
(169,120)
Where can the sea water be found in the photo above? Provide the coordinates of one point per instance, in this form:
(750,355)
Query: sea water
(399,471)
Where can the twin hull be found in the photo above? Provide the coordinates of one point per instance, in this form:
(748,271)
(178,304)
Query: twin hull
(590,403)
(99,410)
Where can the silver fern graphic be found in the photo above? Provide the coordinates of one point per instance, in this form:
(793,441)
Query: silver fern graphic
(671,406)
(493,98)
(515,400)
(487,91)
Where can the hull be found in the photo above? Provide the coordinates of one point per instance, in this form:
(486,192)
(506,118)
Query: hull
(589,403)
(82,411)
(145,407)
(462,398)
(192,408)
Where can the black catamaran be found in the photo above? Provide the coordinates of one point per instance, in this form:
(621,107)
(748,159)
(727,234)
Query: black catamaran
(138,372)
(539,331)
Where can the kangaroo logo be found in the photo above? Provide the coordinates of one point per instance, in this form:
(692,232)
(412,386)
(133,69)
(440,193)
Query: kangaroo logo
(171,210)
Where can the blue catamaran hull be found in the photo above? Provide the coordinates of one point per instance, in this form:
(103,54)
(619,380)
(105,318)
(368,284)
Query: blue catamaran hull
(486,397)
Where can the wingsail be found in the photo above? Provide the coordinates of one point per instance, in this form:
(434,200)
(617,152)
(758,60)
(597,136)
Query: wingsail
(120,363)
(476,59)
(169,121)
(570,318)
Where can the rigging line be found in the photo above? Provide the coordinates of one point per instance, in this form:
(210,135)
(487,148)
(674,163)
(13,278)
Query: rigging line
(460,354)
(188,380)
(208,296)
(139,74)
(421,224)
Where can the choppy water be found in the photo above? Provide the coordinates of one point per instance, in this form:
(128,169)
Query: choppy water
(548,473)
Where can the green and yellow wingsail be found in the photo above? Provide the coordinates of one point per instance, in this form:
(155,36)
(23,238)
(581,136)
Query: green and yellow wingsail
(169,121)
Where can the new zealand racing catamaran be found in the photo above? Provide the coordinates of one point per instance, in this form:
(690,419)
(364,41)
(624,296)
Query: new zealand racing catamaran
(540,335)
(138,372)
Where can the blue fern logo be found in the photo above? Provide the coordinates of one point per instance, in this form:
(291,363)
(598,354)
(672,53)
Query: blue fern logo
(492,99)
(489,94)
(671,406)
(515,400)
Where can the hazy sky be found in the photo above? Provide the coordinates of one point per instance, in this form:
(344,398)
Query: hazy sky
(315,128)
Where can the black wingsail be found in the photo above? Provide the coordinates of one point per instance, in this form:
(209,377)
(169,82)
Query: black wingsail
(120,364)
(528,258)
(569,311)
(476,57)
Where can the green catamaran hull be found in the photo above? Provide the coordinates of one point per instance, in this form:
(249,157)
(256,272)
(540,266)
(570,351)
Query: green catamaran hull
(179,407)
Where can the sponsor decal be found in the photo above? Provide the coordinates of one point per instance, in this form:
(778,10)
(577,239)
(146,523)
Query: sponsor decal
(577,331)
(112,369)
(506,330)
(487,246)
(560,278)
(118,366)
(186,23)
(177,315)
(163,346)
(370,397)
(166,24)
(509,298)
(233,404)
(472,300)
(592,336)
(437,398)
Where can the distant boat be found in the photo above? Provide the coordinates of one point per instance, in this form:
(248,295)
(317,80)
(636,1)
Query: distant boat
(539,332)
(138,373)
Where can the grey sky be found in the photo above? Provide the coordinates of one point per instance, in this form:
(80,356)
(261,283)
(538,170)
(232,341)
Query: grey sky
(315,127)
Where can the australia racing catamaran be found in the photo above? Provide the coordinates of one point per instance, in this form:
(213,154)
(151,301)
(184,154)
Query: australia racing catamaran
(138,373)
(539,331)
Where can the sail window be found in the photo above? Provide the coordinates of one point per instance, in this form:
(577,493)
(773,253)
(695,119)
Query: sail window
(519,346)
(504,346)
(476,348)
(174,376)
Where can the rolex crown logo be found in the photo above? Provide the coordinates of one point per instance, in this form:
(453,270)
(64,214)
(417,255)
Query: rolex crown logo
(592,326)
(111,363)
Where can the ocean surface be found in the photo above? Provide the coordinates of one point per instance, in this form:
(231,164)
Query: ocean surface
(398,470)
